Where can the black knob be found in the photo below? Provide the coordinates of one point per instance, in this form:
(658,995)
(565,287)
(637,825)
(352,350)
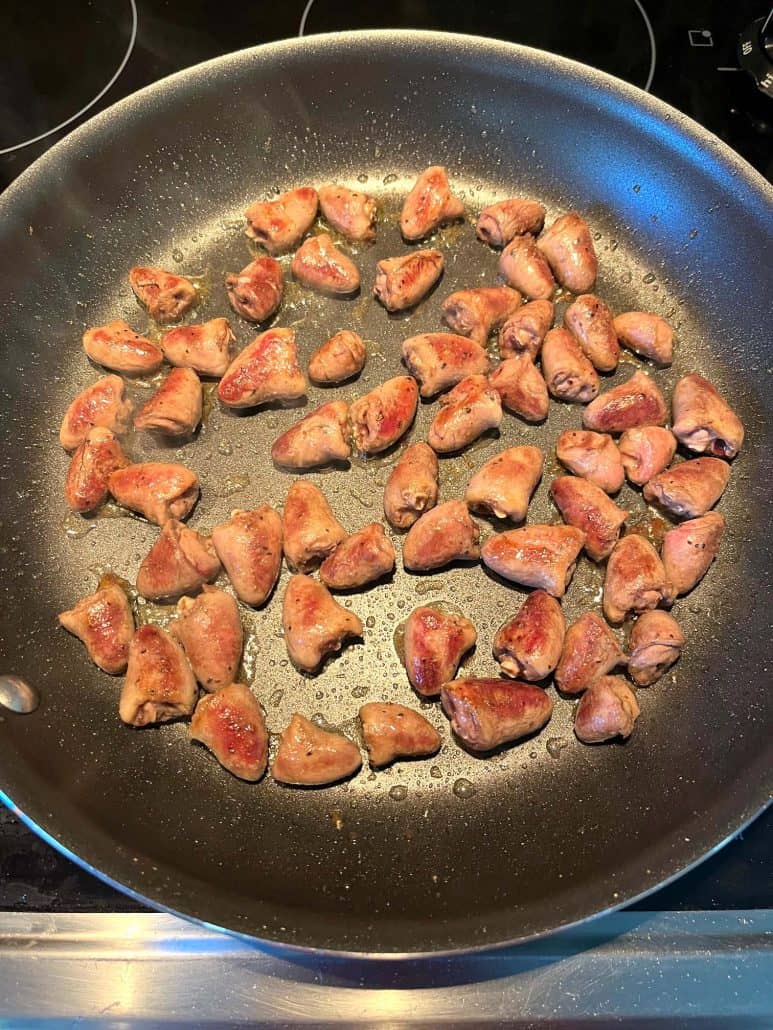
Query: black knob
(755,52)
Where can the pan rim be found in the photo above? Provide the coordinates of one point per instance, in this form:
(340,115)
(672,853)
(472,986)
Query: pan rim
(720,155)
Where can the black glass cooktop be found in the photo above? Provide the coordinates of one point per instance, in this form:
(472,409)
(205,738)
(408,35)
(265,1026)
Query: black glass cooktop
(62,62)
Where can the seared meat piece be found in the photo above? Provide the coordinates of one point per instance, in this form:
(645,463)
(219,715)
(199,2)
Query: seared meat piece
(429,205)
(485,713)
(155,489)
(210,631)
(393,731)
(703,420)
(385,414)
(434,644)
(401,282)
(690,489)
(590,650)
(119,348)
(477,312)
(99,455)
(351,213)
(535,556)
(607,709)
(266,370)
(232,725)
(412,487)
(442,535)
(637,402)
(318,439)
(635,579)
(175,408)
(498,223)
(250,547)
(159,683)
(314,624)
(320,265)
(656,643)
(105,624)
(468,411)
(180,562)
(568,373)
(525,329)
(440,360)
(279,225)
(310,529)
(593,456)
(645,451)
(523,265)
(528,646)
(338,359)
(569,249)
(257,291)
(503,485)
(648,335)
(362,558)
(166,296)
(205,347)
(589,509)
(521,387)
(591,322)
(309,756)
(689,550)
(103,404)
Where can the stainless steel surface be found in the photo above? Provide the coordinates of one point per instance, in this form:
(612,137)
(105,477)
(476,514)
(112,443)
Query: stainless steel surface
(665,969)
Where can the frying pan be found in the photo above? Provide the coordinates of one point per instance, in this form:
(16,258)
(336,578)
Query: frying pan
(459,852)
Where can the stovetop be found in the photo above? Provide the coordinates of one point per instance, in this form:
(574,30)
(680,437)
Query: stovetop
(61,63)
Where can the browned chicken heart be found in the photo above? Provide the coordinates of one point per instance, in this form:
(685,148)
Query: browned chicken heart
(166,296)
(478,312)
(635,579)
(499,222)
(486,713)
(591,323)
(315,625)
(608,709)
(523,265)
(535,556)
(434,643)
(102,404)
(590,650)
(529,645)
(231,724)
(589,509)
(648,335)
(569,375)
(250,547)
(180,562)
(256,292)
(159,683)
(525,329)
(309,756)
(703,420)
(442,535)
(441,360)
(338,359)
(175,408)
(310,529)
(429,205)
(637,402)
(656,644)
(385,414)
(321,266)
(503,485)
(279,225)
(466,412)
(690,489)
(119,348)
(103,621)
(158,490)
(689,549)
(392,731)
(210,631)
(318,439)
(351,213)
(86,484)
(361,558)
(266,370)
(593,456)
(412,487)
(401,282)
(568,246)
(205,347)
(646,451)
(521,387)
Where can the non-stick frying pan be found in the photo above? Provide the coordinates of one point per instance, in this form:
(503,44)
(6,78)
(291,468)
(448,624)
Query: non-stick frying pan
(458,852)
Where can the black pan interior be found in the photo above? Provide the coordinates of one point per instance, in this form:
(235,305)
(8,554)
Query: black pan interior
(454,853)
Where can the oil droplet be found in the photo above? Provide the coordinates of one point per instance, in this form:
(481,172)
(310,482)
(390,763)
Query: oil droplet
(362,177)
(75,526)
(370,622)
(177,255)
(398,792)
(276,698)
(636,188)
(224,447)
(360,691)
(233,484)
(389,179)
(428,586)
(319,695)
(693,233)
(337,819)
(463,788)
(556,745)
(649,277)
(319,719)
(435,772)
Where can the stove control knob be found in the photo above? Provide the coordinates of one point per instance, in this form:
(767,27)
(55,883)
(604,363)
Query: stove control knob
(755,52)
